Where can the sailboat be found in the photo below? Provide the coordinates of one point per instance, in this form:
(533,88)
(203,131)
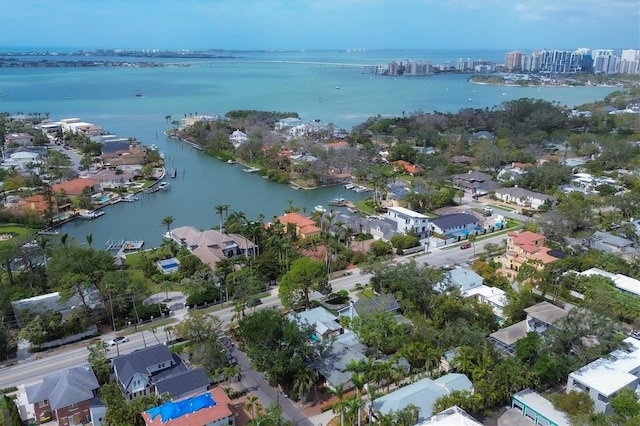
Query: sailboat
(138,93)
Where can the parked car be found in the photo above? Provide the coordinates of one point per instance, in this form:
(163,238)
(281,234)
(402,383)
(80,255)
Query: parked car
(465,246)
(253,303)
(118,340)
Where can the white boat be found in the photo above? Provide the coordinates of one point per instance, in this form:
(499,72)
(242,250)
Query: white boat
(349,186)
(320,209)
(91,214)
(231,162)
(130,198)
(250,170)
(164,186)
(49,232)
(153,147)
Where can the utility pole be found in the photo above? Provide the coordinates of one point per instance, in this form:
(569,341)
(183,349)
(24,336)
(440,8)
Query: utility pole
(113,322)
(135,311)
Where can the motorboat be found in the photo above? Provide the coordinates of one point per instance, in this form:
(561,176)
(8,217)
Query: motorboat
(319,209)
(164,186)
(338,201)
(130,198)
(91,214)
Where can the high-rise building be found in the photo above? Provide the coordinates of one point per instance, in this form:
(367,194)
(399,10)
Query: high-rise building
(630,61)
(513,61)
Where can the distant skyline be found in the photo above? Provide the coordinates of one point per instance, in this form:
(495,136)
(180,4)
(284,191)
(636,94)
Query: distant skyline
(319,24)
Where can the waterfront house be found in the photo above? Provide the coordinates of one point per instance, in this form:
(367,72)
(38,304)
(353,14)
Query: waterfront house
(112,179)
(526,247)
(540,317)
(64,396)
(76,187)
(304,226)
(287,123)
(237,138)
(18,139)
(157,370)
(303,157)
(523,197)
(132,155)
(456,224)
(202,118)
(211,408)
(212,246)
(409,221)
(605,377)
(423,394)
(477,183)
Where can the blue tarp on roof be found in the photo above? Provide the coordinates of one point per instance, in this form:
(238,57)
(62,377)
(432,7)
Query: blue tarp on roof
(173,410)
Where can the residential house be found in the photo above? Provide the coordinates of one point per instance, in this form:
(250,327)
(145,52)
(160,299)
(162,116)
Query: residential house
(523,197)
(132,155)
(212,246)
(202,118)
(462,159)
(75,187)
(336,146)
(64,396)
(15,139)
(366,306)
(21,158)
(304,226)
(605,377)
(287,122)
(324,323)
(52,301)
(237,138)
(382,229)
(423,394)
(482,135)
(211,408)
(452,416)
(110,179)
(538,408)
(456,225)
(407,221)
(622,282)
(609,243)
(526,247)
(470,284)
(156,370)
(477,183)
(112,143)
(332,366)
(540,317)
(406,167)
(303,157)
(514,171)
(38,204)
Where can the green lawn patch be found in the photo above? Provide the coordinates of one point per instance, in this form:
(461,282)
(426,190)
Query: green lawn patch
(147,326)
(505,208)
(368,293)
(364,207)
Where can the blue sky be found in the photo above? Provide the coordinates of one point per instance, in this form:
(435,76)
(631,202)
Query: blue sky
(320,24)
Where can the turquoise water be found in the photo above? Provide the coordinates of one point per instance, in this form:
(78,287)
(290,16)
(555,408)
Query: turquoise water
(103,199)
(106,97)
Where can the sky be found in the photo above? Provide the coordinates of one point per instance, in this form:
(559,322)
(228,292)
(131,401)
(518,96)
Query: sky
(319,24)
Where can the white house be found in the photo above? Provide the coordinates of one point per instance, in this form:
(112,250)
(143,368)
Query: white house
(471,284)
(604,377)
(523,197)
(622,282)
(409,221)
(237,138)
(457,224)
(111,179)
(539,409)
(287,122)
(325,324)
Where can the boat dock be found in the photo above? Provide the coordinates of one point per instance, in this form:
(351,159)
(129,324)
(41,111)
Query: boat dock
(122,247)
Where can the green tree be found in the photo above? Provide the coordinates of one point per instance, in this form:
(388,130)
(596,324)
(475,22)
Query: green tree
(626,405)
(573,403)
(99,361)
(167,221)
(304,276)
(199,327)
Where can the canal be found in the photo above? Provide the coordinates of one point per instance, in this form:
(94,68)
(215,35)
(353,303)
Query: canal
(202,182)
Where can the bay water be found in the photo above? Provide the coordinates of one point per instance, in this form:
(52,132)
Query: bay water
(332,86)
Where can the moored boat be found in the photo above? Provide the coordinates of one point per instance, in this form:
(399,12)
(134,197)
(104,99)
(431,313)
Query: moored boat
(91,214)
(338,201)
(130,198)
(164,186)
(320,209)
(349,186)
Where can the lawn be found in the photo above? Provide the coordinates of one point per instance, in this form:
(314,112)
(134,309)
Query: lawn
(364,207)
(16,230)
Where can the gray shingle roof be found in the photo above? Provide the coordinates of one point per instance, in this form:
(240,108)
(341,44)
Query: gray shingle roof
(182,383)
(126,366)
(454,220)
(65,388)
(381,304)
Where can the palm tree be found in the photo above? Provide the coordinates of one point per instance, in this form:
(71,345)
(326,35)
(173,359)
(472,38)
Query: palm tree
(339,405)
(472,239)
(43,242)
(303,382)
(354,410)
(167,221)
(89,238)
(251,405)
(220,210)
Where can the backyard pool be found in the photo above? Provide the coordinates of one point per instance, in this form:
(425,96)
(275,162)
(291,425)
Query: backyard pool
(168,266)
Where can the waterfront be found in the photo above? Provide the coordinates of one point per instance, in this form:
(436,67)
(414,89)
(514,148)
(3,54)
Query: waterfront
(106,97)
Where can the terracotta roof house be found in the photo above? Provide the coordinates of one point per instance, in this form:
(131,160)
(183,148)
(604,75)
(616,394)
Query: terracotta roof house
(523,247)
(407,167)
(305,227)
(37,203)
(156,370)
(210,408)
(74,187)
(64,396)
(212,246)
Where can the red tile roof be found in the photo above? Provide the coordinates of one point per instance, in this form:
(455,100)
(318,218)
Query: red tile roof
(525,238)
(75,186)
(407,167)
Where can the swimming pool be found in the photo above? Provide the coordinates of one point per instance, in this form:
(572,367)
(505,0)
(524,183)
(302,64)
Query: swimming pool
(103,199)
(168,266)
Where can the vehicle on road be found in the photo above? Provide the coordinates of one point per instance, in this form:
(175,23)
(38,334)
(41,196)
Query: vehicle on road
(118,340)
(253,303)
(465,246)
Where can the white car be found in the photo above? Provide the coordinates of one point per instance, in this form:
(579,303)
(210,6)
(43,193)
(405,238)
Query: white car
(118,340)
